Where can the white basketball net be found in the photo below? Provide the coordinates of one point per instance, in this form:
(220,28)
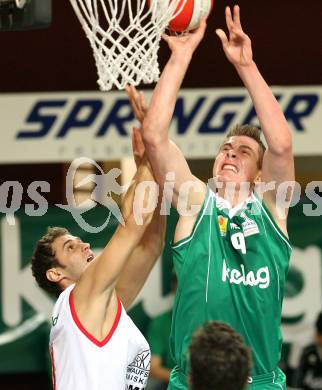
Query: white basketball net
(125,37)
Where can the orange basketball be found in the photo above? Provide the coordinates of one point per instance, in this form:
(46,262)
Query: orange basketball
(190,15)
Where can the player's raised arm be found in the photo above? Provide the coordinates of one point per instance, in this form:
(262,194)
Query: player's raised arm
(100,278)
(164,156)
(278,163)
(149,249)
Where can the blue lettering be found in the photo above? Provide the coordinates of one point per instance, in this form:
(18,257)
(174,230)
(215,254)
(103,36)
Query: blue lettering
(205,127)
(184,121)
(74,119)
(249,118)
(293,114)
(45,121)
(116,119)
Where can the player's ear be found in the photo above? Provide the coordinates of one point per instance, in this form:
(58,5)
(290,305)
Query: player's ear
(54,275)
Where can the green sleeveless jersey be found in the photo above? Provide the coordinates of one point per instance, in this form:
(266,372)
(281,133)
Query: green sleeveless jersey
(232,268)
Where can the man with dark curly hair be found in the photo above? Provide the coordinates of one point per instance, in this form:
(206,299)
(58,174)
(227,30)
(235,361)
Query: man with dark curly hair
(219,359)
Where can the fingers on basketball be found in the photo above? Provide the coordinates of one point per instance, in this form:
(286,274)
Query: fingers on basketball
(166,38)
(203,24)
(199,31)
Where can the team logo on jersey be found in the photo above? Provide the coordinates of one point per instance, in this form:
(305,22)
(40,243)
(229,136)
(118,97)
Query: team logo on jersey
(138,371)
(249,226)
(235,276)
(222,223)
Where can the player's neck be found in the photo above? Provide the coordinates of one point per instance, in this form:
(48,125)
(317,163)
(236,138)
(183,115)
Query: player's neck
(234,196)
(65,283)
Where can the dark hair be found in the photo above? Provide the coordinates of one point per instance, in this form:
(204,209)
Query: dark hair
(43,259)
(251,132)
(318,323)
(219,358)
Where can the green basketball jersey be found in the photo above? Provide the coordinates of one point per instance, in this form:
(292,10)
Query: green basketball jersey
(232,268)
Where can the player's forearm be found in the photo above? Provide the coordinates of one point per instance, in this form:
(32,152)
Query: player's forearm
(158,118)
(272,120)
(114,257)
(143,174)
(153,237)
(142,260)
(108,266)
(134,274)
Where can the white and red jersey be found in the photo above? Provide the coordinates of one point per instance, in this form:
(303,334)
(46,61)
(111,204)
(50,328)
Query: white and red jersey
(80,362)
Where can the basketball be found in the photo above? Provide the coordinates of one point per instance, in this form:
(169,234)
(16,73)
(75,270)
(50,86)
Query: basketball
(190,15)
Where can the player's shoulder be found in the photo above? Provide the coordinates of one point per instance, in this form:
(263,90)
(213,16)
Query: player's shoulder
(63,298)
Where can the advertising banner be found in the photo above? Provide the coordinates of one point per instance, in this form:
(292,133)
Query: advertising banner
(58,127)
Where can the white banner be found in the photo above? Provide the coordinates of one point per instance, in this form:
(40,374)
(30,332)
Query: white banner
(57,127)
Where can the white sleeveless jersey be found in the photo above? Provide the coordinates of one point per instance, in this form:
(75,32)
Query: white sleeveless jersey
(80,362)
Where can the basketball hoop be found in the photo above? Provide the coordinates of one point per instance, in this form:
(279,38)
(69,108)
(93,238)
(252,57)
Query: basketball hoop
(125,37)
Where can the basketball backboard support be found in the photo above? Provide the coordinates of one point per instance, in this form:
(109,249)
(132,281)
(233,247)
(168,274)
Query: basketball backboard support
(21,15)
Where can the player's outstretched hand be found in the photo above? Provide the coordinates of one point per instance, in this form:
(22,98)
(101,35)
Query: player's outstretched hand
(237,47)
(187,43)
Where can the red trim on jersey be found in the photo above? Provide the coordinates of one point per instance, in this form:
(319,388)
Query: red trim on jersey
(86,333)
(53,372)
